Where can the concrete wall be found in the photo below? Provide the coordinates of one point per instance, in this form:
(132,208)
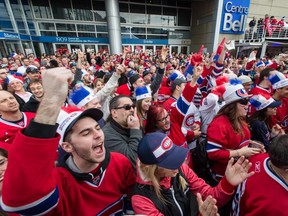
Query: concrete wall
(277,8)
(203,24)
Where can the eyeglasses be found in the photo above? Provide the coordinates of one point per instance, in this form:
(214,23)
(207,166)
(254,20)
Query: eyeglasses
(126,106)
(164,118)
(243,101)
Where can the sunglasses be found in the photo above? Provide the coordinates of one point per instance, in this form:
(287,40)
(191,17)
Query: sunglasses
(126,107)
(243,101)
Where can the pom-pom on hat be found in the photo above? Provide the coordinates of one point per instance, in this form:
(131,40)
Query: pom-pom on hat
(143,92)
(80,97)
(234,92)
(262,101)
(157,148)
(68,116)
(259,64)
(278,80)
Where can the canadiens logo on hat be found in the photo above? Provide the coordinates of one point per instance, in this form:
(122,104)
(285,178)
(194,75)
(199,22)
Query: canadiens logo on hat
(241,93)
(166,143)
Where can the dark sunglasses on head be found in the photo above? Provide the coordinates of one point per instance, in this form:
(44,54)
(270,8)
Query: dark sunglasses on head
(243,101)
(126,106)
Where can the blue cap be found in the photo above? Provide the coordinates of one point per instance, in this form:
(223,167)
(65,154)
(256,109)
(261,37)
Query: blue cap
(157,148)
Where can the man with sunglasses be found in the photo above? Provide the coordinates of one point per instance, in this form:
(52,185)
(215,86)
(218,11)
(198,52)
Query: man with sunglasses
(122,132)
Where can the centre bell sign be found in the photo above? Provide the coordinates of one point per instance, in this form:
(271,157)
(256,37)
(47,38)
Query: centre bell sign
(234,16)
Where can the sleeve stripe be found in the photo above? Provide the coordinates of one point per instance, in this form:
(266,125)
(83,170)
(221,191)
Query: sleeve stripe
(211,147)
(38,207)
(182,105)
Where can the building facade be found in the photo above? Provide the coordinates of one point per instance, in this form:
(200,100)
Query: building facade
(47,26)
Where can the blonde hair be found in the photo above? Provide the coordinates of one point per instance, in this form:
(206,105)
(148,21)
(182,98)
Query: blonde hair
(149,172)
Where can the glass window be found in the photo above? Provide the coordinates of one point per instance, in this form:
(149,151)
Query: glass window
(168,20)
(67,34)
(137,8)
(101,28)
(68,27)
(21,27)
(82,10)
(101,48)
(62,9)
(102,35)
(138,18)
(27,9)
(89,28)
(125,29)
(41,9)
(124,15)
(184,17)
(142,36)
(169,2)
(138,30)
(156,31)
(169,11)
(125,35)
(48,33)
(99,10)
(46,26)
(186,4)
(123,7)
(83,34)
(154,10)
(16,10)
(5,22)
(154,19)
(154,2)
(31,27)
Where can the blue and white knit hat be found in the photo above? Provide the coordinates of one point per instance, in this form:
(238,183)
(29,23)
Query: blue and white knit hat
(81,96)
(234,91)
(259,64)
(262,101)
(142,92)
(278,80)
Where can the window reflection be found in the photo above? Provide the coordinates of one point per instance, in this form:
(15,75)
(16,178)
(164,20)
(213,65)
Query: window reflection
(5,22)
(138,18)
(82,11)
(89,28)
(46,26)
(62,9)
(85,34)
(41,9)
(68,27)
(99,10)
(48,33)
(67,34)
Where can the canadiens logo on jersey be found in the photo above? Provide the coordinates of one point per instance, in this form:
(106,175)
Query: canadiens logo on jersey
(189,120)
(284,123)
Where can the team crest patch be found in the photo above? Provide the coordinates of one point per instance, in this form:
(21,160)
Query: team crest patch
(284,123)
(189,120)
(166,144)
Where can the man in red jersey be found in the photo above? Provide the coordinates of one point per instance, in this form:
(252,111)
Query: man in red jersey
(89,181)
